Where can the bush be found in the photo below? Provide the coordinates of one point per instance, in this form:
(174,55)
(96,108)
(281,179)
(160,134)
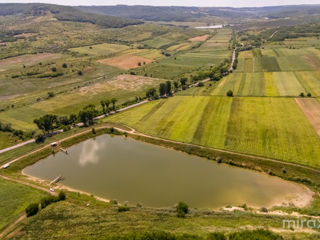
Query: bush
(40,138)
(216,236)
(64,65)
(46,201)
(54,69)
(309,95)
(301,94)
(255,235)
(123,209)
(263,209)
(182,209)
(230,93)
(93,131)
(62,196)
(80,73)
(32,209)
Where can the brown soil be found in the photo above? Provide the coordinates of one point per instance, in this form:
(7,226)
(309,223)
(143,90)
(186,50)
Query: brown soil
(126,61)
(199,38)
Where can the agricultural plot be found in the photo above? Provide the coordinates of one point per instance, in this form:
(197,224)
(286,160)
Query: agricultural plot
(104,49)
(311,109)
(273,127)
(14,199)
(256,126)
(199,38)
(207,55)
(125,61)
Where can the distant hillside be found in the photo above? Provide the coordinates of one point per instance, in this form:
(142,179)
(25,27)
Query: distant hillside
(65,13)
(152,13)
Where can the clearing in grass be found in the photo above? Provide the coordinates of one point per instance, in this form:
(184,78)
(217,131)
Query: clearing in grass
(199,38)
(126,61)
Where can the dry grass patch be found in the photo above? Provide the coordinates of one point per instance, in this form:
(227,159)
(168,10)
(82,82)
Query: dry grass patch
(199,38)
(27,60)
(311,109)
(126,61)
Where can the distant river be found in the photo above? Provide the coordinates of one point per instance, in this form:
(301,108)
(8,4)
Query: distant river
(137,172)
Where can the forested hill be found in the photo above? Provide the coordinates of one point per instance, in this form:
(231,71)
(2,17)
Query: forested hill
(65,13)
(153,13)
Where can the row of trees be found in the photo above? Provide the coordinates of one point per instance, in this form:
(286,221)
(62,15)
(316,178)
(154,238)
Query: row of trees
(49,122)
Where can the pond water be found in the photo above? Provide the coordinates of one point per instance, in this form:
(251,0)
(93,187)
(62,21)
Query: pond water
(123,169)
(210,27)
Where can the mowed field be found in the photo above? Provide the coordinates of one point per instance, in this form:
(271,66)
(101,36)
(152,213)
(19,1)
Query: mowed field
(274,71)
(271,127)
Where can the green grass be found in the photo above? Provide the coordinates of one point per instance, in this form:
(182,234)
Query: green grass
(72,218)
(271,127)
(287,84)
(14,198)
(7,139)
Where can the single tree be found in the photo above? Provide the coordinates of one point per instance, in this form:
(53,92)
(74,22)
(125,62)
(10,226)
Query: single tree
(107,104)
(182,209)
(162,89)
(103,105)
(183,81)
(168,88)
(113,101)
(230,93)
(176,85)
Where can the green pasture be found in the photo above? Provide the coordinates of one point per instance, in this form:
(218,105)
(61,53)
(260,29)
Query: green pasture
(14,198)
(271,127)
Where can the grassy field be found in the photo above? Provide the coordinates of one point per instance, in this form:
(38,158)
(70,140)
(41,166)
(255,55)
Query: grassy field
(14,199)
(274,70)
(100,221)
(122,87)
(239,124)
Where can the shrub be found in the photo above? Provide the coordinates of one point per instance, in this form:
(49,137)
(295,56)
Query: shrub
(182,209)
(46,201)
(62,196)
(230,93)
(32,209)
(54,69)
(301,94)
(50,94)
(259,234)
(93,131)
(216,236)
(123,209)
(80,73)
(40,138)
(309,95)
(64,65)
(263,209)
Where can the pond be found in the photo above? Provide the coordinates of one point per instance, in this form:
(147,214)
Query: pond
(124,169)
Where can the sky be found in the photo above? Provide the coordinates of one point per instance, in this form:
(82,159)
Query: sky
(206,3)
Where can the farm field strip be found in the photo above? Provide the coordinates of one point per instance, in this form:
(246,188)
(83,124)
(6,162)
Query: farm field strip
(311,109)
(243,125)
